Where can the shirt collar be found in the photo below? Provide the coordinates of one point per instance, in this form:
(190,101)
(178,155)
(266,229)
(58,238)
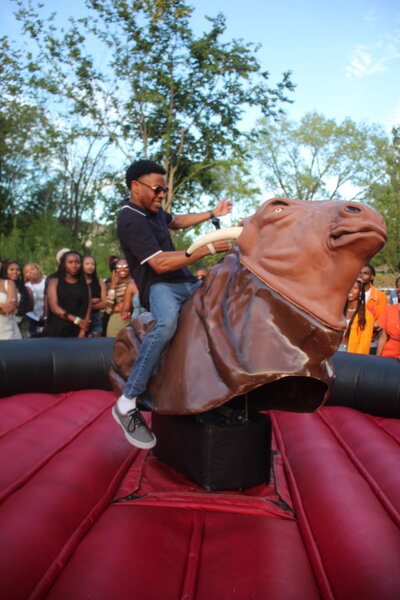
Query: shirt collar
(128,204)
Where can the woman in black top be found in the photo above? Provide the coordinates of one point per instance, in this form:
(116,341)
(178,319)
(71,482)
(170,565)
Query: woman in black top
(98,293)
(69,299)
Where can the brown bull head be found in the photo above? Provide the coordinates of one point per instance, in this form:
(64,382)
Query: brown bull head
(311,252)
(269,316)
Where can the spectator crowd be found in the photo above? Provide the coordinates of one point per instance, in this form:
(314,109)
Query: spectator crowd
(74,302)
(71,302)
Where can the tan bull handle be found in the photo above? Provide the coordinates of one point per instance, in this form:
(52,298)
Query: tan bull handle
(230,233)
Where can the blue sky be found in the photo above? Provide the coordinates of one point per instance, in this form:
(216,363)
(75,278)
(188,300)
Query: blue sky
(345,55)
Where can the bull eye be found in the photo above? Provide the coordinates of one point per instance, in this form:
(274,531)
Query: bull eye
(352,209)
(278,209)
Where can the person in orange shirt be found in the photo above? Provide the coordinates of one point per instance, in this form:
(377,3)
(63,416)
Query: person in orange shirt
(376,301)
(360,322)
(389,340)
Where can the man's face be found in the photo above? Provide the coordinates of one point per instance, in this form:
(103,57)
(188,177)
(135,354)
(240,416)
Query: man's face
(145,194)
(366,275)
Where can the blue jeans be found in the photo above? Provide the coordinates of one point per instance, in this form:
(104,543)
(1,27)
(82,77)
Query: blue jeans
(166,300)
(96,325)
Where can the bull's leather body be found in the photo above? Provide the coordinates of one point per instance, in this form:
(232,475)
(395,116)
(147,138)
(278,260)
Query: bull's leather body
(248,329)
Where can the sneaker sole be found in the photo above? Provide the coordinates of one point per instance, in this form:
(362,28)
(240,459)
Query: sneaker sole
(141,445)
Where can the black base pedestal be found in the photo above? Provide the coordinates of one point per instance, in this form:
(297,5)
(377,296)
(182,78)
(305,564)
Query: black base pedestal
(214,455)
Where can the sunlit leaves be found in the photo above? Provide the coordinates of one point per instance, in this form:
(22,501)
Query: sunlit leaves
(319,159)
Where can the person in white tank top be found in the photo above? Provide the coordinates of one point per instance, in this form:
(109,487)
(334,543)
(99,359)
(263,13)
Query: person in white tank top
(9,329)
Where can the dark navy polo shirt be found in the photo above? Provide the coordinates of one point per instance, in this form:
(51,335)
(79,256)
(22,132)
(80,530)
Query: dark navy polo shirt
(142,235)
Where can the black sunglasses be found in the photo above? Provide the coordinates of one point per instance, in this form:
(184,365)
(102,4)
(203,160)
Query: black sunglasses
(157,189)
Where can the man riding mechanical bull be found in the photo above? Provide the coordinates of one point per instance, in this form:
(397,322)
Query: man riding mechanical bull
(263,324)
(161,275)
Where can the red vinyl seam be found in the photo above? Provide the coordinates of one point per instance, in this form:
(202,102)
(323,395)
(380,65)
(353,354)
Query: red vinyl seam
(50,576)
(304,525)
(189,501)
(37,414)
(383,499)
(193,556)
(132,480)
(379,423)
(40,464)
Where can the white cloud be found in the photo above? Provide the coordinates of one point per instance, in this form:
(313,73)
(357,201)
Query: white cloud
(362,63)
(374,58)
(373,15)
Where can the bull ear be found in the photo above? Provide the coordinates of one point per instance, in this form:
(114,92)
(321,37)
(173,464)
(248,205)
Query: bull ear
(230,233)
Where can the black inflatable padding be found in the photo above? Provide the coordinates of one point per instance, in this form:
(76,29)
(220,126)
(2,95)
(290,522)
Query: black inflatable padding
(370,384)
(54,365)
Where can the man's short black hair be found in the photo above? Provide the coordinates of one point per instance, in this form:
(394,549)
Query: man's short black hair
(142,167)
(371,268)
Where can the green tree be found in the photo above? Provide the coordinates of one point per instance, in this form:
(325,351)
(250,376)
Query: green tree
(234,179)
(162,92)
(79,165)
(24,133)
(319,159)
(385,197)
(49,163)
(37,241)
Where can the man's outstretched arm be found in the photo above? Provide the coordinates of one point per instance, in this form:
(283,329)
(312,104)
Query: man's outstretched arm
(223,208)
(176,259)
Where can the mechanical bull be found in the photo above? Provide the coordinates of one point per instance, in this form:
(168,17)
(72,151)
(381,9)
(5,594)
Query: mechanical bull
(268,317)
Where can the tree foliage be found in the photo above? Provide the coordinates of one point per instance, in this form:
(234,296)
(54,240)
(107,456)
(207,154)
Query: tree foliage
(132,80)
(385,197)
(161,92)
(319,159)
(24,130)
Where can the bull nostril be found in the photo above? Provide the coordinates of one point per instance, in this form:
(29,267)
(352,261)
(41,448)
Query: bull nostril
(352,209)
